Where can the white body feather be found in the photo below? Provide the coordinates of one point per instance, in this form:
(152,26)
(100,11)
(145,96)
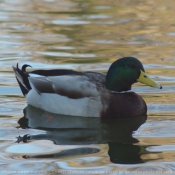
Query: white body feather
(86,107)
(89,105)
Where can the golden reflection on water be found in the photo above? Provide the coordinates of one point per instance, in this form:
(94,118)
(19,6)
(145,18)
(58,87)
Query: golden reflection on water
(143,29)
(89,35)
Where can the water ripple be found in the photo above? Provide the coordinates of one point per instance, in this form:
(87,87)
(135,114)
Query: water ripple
(88,36)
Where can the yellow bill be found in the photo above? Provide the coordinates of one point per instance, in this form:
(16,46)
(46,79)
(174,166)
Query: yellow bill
(143,78)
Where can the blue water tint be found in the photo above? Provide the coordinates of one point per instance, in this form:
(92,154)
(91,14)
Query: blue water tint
(10,91)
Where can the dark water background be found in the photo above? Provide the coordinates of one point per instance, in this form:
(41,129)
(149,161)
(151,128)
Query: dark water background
(87,35)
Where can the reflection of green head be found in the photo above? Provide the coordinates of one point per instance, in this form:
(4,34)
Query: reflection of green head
(124,153)
(123,73)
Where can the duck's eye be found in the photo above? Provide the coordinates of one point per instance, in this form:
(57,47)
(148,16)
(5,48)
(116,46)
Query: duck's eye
(130,66)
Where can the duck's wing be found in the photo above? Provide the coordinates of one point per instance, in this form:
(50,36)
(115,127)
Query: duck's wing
(65,82)
(22,76)
(71,86)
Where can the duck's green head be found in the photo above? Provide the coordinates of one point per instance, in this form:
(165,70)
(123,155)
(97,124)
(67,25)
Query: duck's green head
(126,71)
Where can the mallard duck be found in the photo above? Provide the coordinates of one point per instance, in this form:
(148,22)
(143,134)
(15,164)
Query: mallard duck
(87,94)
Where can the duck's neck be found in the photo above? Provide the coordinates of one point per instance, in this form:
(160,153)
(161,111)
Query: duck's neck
(117,83)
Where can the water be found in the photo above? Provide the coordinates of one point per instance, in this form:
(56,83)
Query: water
(87,35)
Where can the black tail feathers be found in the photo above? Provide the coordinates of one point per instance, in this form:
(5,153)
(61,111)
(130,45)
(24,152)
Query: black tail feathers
(22,78)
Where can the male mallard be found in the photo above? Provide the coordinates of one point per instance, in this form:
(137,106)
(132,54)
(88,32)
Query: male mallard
(87,94)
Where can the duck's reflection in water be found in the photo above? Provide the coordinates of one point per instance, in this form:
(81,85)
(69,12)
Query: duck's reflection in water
(72,130)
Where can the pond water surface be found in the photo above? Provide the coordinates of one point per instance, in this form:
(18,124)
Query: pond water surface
(87,35)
